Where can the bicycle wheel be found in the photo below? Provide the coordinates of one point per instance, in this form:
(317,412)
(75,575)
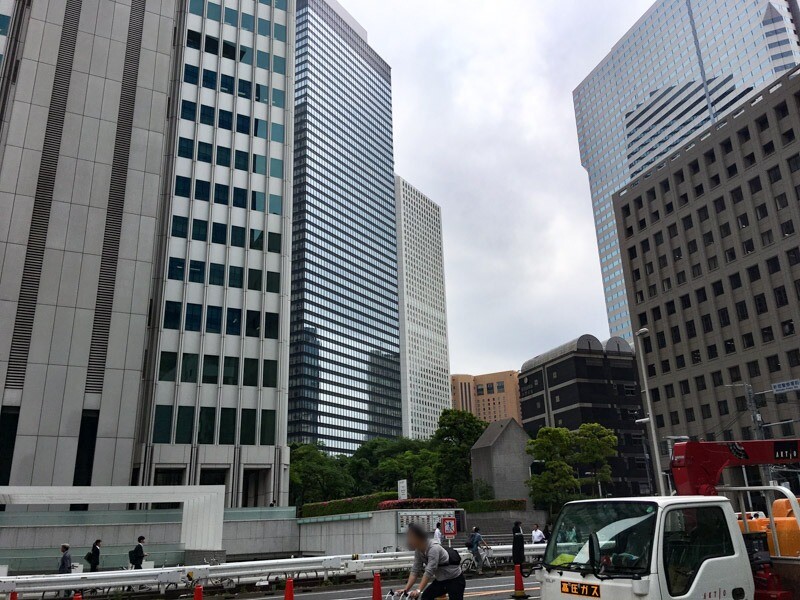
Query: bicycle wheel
(467,566)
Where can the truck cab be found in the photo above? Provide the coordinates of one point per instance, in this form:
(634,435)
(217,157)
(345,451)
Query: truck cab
(647,548)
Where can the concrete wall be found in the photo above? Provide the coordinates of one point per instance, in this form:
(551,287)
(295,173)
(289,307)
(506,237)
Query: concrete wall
(504,465)
(365,532)
(501,523)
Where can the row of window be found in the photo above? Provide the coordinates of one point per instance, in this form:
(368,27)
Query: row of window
(231,373)
(729,346)
(213,11)
(233,320)
(223,195)
(219,234)
(241,158)
(216,275)
(224,120)
(207,426)
(227,83)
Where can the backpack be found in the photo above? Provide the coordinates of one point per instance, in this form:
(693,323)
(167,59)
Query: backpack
(471,541)
(131,556)
(453,557)
(88,557)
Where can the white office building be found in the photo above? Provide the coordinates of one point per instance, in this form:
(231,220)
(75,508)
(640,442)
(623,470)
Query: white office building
(145,224)
(424,353)
(216,400)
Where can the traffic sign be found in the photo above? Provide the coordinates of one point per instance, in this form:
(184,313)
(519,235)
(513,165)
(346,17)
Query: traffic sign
(786,386)
(449,527)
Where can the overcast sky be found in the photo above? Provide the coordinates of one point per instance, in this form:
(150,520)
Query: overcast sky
(484,125)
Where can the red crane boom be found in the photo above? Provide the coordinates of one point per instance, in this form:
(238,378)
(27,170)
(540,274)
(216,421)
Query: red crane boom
(697,466)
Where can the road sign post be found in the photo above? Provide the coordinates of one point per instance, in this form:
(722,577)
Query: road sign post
(449,529)
(402,489)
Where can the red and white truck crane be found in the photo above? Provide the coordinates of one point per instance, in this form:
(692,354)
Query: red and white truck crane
(692,545)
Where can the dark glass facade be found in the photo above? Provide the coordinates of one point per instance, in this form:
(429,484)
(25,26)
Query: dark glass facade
(344,382)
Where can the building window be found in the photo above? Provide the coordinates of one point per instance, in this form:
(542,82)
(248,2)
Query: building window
(216,274)
(230,371)
(168,366)
(253,324)
(189,367)
(227,426)
(271,325)
(250,377)
(254,280)
(176,268)
(207,425)
(210,369)
(270,375)
(233,324)
(162,424)
(194,317)
(236,277)
(172,315)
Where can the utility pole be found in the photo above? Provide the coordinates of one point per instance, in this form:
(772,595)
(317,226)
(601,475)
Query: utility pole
(758,428)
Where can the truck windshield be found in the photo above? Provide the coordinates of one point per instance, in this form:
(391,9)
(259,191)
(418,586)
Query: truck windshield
(625,531)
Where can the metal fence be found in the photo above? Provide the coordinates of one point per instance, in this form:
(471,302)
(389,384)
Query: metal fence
(267,572)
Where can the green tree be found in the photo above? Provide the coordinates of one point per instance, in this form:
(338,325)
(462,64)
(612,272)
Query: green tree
(419,468)
(457,433)
(315,476)
(594,445)
(562,454)
(555,483)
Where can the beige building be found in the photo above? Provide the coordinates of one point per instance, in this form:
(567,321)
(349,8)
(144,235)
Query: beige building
(492,397)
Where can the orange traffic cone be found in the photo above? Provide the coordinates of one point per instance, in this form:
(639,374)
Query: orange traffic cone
(13,596)
(288,594)
(377,594)
(519,586)
(198,592)
(77,596)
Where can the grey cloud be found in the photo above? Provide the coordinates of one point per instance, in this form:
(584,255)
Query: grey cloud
(484,126)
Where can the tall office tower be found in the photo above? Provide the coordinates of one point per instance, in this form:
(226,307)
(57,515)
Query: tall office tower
(344,384)
(424,354)
(712,263)
(83,96)
(216,401)
(682,66)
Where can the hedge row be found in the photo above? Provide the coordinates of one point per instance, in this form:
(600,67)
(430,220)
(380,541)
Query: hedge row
(347,505)
(485,506)
(418,503)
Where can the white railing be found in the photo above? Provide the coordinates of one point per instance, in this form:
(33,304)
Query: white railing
(242,573)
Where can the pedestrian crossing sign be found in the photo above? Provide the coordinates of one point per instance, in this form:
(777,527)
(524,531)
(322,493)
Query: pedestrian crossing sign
(449,527)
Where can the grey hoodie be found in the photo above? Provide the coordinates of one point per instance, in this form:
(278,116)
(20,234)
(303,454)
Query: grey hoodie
(435,563)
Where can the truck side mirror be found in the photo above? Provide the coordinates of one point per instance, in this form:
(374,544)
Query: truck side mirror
(594,552)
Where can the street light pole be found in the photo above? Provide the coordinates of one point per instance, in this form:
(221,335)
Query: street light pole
(659,476)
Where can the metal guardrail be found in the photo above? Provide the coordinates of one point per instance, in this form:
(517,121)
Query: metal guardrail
(241,573)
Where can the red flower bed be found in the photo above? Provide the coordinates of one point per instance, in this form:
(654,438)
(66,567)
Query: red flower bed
(418,503)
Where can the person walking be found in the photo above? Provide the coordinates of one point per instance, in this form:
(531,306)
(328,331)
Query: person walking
(538,537)
(93,557)
(518,544)
(434,564)
(437,533)
(137,555)
(476,541)
(65,566)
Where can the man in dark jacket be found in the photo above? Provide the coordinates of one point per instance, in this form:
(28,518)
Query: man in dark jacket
(94,556)
(65,562)
(138,554)
(432,563)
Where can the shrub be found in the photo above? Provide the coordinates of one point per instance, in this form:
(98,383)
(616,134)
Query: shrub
(485,506)
(347,505)
(418,503)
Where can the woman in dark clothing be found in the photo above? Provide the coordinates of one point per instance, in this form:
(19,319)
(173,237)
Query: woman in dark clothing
(518,545)
(94,561)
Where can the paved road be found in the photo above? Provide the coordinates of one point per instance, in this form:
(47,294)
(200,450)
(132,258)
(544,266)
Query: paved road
(487,588)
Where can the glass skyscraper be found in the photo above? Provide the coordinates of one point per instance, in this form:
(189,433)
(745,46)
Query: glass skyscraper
(344,381)
(682,66)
